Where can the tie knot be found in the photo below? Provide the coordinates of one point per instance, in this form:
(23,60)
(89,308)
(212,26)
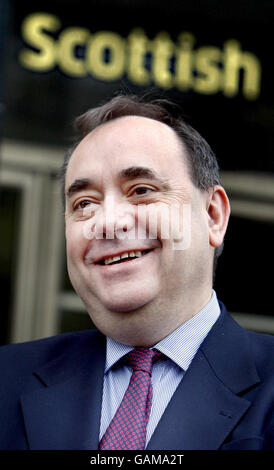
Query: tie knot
(142,359)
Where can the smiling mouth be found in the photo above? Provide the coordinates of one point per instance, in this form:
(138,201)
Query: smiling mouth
(123,258)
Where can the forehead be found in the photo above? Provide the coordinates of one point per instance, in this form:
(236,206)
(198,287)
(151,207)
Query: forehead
(125,142)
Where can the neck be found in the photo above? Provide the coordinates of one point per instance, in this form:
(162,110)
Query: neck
(150,324)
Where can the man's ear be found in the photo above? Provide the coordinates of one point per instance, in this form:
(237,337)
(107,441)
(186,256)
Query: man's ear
(218,209)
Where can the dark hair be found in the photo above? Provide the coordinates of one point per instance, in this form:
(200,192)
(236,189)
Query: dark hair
(201,160)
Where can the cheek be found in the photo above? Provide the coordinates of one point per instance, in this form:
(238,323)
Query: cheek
(169,262)
(200,232)
(155,218)
(75,242)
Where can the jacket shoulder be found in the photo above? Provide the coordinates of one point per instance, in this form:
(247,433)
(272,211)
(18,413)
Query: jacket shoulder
(34,354)
(262,349)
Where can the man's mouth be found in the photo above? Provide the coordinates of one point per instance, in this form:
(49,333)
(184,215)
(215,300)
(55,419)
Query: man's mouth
(123,257)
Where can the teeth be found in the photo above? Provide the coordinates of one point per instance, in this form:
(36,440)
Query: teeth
(130,254)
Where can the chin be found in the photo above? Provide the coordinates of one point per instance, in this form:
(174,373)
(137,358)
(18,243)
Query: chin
(124,307)
(128,296)
(126,303)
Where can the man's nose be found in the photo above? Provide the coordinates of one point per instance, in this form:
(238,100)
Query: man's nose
(115,218)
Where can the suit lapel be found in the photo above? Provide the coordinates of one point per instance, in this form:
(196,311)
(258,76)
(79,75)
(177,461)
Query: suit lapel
(63,412)
(206,406)
(201,413)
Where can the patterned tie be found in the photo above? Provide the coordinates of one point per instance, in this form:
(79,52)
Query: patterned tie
(127,430)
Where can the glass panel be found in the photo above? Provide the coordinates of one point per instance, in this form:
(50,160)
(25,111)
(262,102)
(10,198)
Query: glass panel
(74,321)
(244,278)
(10,199)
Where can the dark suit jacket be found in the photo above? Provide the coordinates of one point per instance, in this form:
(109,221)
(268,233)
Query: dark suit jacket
(51,393)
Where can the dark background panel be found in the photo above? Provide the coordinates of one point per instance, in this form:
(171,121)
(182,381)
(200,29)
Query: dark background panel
(244,280)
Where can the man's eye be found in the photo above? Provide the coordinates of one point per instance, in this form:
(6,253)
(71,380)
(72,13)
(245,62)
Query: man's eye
(82,204)
(142,190)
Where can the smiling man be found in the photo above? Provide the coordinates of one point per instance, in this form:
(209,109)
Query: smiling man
(167,367)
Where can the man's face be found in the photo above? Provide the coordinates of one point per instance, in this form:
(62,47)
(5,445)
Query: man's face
(135,285)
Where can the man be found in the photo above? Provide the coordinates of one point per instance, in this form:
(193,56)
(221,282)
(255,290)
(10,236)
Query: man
(168,368)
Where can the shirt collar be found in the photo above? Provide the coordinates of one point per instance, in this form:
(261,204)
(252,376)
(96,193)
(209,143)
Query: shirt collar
(182,344)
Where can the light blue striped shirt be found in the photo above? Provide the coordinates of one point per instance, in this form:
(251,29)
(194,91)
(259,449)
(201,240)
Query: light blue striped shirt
(180,347)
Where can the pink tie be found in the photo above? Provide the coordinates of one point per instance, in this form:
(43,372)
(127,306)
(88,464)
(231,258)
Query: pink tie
(127,430)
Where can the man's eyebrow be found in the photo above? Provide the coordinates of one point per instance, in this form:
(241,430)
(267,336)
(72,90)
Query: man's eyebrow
(134,172)
(78,185)
(130,173)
